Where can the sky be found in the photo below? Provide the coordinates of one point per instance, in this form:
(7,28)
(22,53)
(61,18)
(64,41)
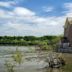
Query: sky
(33,17)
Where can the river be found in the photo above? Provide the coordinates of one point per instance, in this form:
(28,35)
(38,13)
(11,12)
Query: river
(34,61)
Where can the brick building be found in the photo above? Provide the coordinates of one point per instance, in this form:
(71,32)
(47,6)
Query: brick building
(65,44)
(68,29)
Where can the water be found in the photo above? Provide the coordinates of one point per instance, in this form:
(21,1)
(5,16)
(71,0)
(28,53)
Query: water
(34,61)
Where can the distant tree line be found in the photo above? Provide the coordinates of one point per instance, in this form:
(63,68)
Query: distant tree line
(29,40)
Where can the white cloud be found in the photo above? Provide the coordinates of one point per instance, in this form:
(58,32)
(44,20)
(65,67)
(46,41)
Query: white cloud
(23,21)
(5,13)
(48,8)
(6,4)
(68,7)
(2,12)
(20,11)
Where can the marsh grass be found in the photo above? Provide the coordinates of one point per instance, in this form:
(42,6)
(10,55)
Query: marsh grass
(16,60)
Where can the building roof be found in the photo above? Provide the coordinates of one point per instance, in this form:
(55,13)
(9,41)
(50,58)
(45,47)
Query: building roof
(70,20)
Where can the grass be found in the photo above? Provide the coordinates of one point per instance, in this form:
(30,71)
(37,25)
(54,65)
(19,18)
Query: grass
(68,59)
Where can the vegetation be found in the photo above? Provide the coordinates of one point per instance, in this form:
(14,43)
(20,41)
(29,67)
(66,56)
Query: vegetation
(9,66)
(17,57)
(45,42)
(68,58)
(16,60)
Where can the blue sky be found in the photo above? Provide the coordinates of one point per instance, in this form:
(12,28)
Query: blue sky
(33,17)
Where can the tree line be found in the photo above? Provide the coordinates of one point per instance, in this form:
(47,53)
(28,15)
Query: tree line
(43,41)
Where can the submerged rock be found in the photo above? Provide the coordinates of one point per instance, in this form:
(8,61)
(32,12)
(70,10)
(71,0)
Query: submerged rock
(56,63)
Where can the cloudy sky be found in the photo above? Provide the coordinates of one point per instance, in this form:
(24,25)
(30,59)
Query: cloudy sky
(33,17)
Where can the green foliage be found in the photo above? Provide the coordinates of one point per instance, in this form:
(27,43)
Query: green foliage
(44,42)
(17,57)
(9,66)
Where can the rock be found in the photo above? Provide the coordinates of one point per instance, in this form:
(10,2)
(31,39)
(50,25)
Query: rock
(56,63)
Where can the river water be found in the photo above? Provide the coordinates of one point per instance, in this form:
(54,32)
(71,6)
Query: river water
(34,61)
